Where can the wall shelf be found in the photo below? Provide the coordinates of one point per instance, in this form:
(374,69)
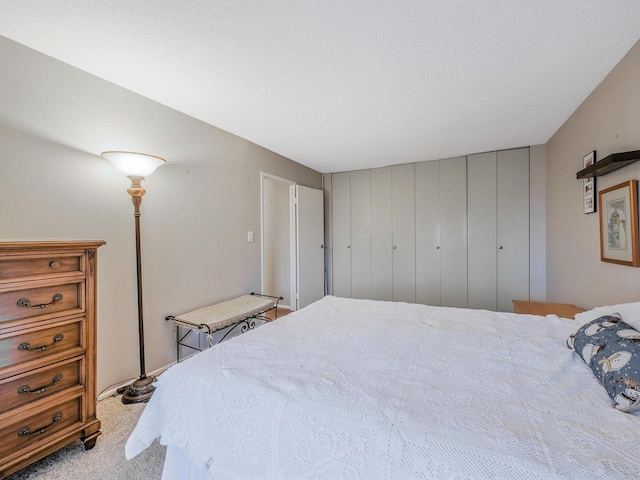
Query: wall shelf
(609,164)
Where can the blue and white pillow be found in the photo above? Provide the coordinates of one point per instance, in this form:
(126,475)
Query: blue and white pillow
(611,348)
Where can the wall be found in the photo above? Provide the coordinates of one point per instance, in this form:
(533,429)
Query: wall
(609,122)
(54,122)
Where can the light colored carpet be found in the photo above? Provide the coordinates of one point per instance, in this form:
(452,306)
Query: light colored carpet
(106,460)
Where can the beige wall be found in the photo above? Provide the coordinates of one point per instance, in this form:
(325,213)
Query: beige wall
(609,122)
(54,122)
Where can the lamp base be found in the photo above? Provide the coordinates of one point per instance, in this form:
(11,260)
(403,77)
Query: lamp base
(139,391)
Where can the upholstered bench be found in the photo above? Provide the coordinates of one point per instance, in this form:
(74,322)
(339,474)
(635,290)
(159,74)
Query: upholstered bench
(239,313)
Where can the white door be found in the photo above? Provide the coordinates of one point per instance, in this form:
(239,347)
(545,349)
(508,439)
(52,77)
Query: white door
(498,187)
(483,231)
(513,227)
(308,238)
(361,234)
(341,215)
(381,235)
(428,232)
(453,232)
(404,233)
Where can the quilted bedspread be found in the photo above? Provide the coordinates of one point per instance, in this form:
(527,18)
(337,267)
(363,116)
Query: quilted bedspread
(362,389)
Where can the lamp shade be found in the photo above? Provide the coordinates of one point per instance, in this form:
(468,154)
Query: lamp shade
(134,164)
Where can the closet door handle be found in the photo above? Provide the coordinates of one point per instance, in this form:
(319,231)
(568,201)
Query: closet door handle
(348,246)
(438,247)
(500,247)
(394,247)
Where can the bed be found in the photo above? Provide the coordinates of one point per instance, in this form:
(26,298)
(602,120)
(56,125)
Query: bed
(350,388)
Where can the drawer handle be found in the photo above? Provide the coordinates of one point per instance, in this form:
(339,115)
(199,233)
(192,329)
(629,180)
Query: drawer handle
(55,264)
(26,389)
(26,346)
(24,302)
(27,431)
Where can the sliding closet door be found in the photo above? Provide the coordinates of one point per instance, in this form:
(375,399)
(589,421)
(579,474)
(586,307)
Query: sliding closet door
(381,235)
(513,227)
(483,231)
(427,175)
(404,233)
(361,234)
(453,232)
(341,214)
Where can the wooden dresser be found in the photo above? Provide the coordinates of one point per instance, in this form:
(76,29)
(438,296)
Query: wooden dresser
(47,349)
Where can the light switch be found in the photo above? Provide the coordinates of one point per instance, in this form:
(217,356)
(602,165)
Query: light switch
(250,237)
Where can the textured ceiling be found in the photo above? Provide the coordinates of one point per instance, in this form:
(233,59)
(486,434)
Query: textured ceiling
(346,84)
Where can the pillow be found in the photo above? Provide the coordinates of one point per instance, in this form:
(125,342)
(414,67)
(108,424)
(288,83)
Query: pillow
(611,348)
(629,311)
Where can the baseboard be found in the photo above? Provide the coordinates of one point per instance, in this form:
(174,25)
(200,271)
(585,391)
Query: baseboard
(156,373)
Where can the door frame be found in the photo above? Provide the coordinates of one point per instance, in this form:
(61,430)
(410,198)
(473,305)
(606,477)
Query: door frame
(286,181)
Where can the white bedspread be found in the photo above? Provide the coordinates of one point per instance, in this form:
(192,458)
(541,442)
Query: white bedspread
(361,389)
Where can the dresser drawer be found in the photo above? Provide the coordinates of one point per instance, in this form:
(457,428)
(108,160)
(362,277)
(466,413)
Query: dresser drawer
(26,268)
(40,343)
(28,303)
(22,389)
(18,432)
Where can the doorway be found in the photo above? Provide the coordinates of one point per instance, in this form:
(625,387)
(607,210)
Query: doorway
(276,237)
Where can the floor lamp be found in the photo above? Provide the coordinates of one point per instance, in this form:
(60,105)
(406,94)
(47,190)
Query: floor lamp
(137,166)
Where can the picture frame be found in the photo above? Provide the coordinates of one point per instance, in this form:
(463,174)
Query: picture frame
(619,224)
(589,185)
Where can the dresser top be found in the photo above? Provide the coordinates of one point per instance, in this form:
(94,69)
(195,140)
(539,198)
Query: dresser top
(42,243)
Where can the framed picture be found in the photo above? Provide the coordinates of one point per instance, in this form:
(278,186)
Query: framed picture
(619,224)
(589,187)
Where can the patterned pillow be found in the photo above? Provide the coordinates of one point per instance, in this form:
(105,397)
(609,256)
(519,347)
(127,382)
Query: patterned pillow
(612,349)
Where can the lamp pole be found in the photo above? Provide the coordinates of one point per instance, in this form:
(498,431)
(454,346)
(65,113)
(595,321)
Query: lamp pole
(141,389)
(137,166)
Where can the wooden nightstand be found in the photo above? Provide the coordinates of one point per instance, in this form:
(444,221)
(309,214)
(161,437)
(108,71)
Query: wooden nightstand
(564,310)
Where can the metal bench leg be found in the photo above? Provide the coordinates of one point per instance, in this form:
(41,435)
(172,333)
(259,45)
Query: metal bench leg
(177,344)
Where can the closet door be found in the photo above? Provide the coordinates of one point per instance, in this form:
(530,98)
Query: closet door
(341,214)
(427,184)
(381,235)
(361,234)
(453,232)
(513,227)
(483,231)
(404,233)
